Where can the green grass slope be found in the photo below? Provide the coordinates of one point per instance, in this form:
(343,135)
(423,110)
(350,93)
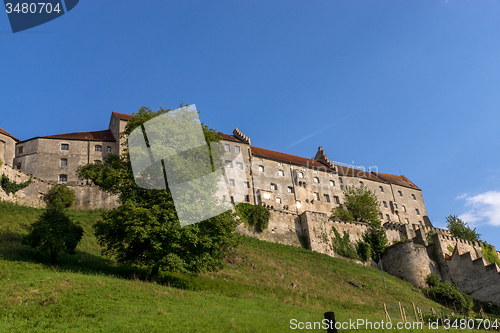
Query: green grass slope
(262,287)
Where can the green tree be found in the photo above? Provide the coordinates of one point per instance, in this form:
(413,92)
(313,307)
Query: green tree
(63,194)
(361,205)
(376,237)
(145,229)
(54,231)
(460,229)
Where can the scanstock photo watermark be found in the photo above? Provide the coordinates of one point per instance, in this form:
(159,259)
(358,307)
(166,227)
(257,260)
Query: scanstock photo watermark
(25,15)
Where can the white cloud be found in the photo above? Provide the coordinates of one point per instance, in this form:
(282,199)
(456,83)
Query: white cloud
(484,208)
(461,196)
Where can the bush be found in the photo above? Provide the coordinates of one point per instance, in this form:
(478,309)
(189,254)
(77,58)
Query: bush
(364,250)
(253,216)
(448,294)
(432,280)
(342,245)
(1,162)
(54,231)
(63,194)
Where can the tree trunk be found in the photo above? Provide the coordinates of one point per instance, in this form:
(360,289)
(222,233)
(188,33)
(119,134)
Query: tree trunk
(53,256)
(154,273)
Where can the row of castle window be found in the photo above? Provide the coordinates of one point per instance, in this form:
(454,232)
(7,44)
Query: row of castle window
(402,206)
(239,165)
(65,146)
(227,148)
(64,162)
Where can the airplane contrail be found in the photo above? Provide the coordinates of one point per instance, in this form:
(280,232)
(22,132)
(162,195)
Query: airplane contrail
(321,130)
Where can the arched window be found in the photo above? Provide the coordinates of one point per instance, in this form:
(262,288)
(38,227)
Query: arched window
(332,183)
(404,208)
(387,217)
(316,180)
(261,168)
(301,175)
(381,189)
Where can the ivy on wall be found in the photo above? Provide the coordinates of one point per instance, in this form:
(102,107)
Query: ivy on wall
(12,187)
(490,254)
(253,216)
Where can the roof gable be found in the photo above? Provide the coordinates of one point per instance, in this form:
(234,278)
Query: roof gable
(4,132)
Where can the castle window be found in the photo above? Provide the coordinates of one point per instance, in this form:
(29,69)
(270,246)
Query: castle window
(303,169)
(420,222)
(97,162)
(18,166)
(341,187)
(417,211)
(330,174)
(404,208)
(301,175)
(280,164)
(395,206)
(229,164)
(231,182)
(381,189)
(98,148)
(387,217)
(298,204)
(63,178)
(109,149)
(20,150)
(64,146)
(400,193)
(247,198)
(237,149)
(337,200)
(281,173)
(414,197)
(246,184)
(385,204)
(316,196)
(239,165)
(64,162)
(332,183)
(261,168)
(278,200)
(381,216)
(227,148)
(289,189)
(315,171)
(316,180)
(361,184)
(274,186)
(326,198)
(340,181)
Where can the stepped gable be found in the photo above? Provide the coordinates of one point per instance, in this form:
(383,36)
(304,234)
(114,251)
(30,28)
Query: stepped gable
(122,116)
(228,137)
(321,157)
(241,136)
(4,132)
(105,135)
(397,180)
(287,158)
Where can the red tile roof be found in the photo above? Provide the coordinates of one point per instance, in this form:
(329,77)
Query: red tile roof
(122,116)
(230,138)
(4,132)
(398,180)
(288,158)
(105,135)
(345,171)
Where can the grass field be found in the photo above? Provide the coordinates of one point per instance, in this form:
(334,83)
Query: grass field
(261,289)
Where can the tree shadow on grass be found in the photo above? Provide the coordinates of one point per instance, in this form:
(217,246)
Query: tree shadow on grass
(12,249)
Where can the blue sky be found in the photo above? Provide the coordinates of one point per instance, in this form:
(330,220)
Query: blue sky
(410,87)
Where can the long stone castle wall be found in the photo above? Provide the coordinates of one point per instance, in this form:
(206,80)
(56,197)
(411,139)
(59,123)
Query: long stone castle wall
(35,195)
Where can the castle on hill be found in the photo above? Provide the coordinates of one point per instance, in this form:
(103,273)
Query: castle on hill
(299,192)
(255,175)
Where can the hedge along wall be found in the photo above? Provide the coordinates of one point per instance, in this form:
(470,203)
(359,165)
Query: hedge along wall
(86,197)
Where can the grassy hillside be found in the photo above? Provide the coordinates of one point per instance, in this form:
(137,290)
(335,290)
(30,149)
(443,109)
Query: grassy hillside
(263,286)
